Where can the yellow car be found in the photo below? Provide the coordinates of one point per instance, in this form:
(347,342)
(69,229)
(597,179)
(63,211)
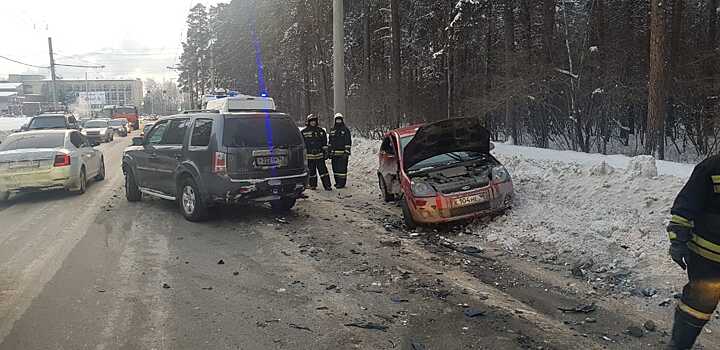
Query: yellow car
(48,159)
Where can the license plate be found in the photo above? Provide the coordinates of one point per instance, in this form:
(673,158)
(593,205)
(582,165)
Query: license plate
(271,161)
(25,164)
(470,200)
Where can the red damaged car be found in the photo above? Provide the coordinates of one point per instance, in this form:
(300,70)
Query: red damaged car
(443,172)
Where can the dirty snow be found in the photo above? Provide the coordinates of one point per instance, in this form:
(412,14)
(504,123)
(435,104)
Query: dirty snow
(572,206)
(7,124)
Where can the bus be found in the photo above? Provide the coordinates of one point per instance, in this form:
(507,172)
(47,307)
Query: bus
(128,112)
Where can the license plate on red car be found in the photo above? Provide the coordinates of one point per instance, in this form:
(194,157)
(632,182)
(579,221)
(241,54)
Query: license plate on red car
(470,200)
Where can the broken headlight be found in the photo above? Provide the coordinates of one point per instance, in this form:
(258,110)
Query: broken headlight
(500,174)
(422,189)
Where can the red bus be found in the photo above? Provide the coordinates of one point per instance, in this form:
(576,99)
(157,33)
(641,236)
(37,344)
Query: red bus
(128,112)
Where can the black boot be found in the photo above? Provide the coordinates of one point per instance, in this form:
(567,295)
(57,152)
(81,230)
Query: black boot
(685,332)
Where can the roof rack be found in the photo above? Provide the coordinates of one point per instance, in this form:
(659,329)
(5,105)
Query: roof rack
(201,111)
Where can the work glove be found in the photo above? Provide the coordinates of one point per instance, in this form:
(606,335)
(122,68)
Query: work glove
(679,236)
(679,252)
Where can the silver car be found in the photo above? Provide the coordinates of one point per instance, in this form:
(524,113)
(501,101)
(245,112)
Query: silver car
(48,159)
(98,130)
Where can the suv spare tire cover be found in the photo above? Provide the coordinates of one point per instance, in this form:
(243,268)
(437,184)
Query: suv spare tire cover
(452,135)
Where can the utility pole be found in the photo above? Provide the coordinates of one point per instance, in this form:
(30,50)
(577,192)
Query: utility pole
(52,73)
(339,53)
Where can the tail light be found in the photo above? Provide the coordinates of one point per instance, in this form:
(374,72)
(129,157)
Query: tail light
(62,160)
(219,163)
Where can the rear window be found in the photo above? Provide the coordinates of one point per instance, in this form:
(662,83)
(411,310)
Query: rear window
(260,131)
(47,122)
(23,141)
(117,123)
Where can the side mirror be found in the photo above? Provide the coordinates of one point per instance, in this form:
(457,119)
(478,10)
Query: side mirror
(137,141)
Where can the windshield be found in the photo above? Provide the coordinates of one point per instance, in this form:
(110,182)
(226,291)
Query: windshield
(260,131)
(124,110)
(96,124)
(439,160)
(24,141)
(117,123)
(48,122)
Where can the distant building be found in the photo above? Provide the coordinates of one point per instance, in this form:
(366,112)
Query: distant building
(11,98)
(98,93)
(21,78)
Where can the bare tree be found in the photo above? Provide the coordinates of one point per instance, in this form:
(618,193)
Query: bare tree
(655,138)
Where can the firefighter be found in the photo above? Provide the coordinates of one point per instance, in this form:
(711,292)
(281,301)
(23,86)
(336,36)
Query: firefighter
(340,144)
(694,232)
(317,151)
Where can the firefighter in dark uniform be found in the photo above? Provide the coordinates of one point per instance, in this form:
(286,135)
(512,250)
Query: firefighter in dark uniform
(694,233)
(317,151)
(340,144)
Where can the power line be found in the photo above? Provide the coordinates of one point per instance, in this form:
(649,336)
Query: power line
(23,63)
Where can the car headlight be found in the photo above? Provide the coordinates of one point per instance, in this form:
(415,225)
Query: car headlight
(422,189)
(500,174)
(103,131)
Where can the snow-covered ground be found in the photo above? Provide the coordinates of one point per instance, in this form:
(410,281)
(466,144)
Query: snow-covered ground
(571,206)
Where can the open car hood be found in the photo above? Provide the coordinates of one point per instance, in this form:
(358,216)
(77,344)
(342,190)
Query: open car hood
(452,135)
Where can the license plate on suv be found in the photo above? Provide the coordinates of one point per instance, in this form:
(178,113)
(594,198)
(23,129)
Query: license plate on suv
(470,200)
(271,161)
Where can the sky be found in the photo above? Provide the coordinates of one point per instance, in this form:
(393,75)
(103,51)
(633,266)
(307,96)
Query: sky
(132,38)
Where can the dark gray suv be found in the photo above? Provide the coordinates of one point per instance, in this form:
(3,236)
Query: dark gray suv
(204,159)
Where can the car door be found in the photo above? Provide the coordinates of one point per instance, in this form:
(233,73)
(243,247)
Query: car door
(86,153)
(146,168)
(170,153)
(388,161)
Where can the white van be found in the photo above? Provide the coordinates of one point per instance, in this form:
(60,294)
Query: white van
(241,103)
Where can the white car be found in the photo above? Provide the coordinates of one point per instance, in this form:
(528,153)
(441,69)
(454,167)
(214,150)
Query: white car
(98,130)
(48,159)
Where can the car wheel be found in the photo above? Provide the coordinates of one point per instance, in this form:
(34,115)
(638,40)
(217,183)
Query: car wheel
(191,203)
(407,216)
(101,172)
(132,191)
(83,182)
(387,196)
(283,205)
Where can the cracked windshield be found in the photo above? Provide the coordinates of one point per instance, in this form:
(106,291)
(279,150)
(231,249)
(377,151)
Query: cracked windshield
(359,174)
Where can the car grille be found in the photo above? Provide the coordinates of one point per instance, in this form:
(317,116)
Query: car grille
(470,209)
(94,133)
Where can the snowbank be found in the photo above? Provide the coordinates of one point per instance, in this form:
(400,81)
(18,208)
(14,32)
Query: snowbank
(13,123)
(574,206)
(616,161)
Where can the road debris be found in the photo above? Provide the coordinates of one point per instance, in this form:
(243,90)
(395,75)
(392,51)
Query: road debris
(473,312)
(367,325)
(665,302)
(650,326)
(263,324)
(282,221)
(583,308)
(416,346)
(292,325)
(635,331)
(397,299)
(235,273)
(649,292)
(390,242)
(166,286)
(221,262)
(330,287)
(207,288)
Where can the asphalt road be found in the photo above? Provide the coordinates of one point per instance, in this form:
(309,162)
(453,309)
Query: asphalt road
(97,272)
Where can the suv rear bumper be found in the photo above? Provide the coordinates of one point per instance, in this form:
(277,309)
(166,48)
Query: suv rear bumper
(224,190)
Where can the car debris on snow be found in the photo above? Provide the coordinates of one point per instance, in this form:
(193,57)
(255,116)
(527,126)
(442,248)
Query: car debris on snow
(221,262)
(367,325)
(583,308)
(166,286)
(390,242)
(649,292)
(473,312)
(635,331)
(296,326)
(665,302)
(650,326)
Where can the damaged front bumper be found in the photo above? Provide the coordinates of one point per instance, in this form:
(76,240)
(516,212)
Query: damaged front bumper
(444,208)
(243,191)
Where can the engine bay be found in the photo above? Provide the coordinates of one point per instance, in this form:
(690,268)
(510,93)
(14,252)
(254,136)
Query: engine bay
(459,178)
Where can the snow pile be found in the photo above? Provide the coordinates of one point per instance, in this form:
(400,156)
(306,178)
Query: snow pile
(12,123)
(573,206)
